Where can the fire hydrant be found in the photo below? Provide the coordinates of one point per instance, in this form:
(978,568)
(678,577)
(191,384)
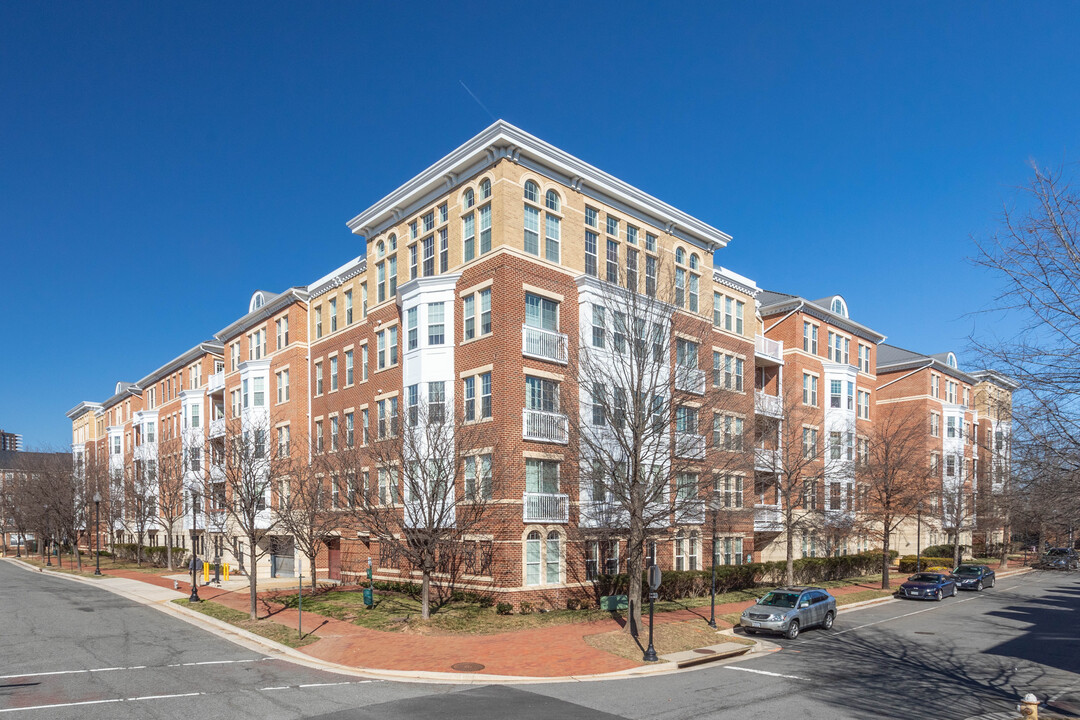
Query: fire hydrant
(1029,707)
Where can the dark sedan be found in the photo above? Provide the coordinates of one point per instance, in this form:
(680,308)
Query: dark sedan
(928,586)
(974,577)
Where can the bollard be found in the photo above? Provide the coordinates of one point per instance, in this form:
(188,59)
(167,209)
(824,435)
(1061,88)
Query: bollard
(206,572)
(1029,707)
(225,570)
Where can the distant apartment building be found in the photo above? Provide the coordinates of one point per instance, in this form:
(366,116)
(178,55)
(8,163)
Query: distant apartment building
(482,280)
(10,442)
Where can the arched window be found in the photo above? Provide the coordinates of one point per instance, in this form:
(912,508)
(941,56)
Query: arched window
(532,192)
(380,248)
(839,307)
(680,550)
(680,255)
(693,261)
(532,558)
(468,199)
(951,360)
(553,558)
(693,551)
(393,242)
(551,200)
(485,189)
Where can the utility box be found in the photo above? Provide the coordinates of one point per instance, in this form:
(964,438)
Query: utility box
(611,603)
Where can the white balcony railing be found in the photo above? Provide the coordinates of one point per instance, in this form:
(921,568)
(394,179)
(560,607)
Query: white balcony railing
(545,507)
(765,404)
(216,382)
(689,445)
(544,426)
(217,427)
(690,380)
(543,344)
(771,350)
(768,519)
(767,460)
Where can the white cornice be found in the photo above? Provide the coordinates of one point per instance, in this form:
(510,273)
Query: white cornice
(735,281)
(501,140)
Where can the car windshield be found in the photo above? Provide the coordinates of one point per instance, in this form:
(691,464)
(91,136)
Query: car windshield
(966,570)
(925,577)
(780,599)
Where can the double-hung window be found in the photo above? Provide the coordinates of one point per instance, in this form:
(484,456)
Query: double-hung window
(541,312)
(612,261)
(809,389)
(333,374)
(412,331)
(590,253)
(348,367)
(429,255)
(469,313)
(468,233)
(435,321)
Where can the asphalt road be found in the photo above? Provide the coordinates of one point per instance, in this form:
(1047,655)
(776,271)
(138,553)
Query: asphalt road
(72,651)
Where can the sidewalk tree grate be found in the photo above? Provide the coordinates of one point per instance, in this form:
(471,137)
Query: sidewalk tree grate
(467,667)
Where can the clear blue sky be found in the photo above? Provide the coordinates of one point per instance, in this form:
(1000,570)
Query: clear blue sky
(160,161)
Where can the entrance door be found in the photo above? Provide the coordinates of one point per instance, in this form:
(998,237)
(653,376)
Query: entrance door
(333,556)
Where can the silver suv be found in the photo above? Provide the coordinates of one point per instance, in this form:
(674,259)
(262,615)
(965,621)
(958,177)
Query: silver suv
(788,610)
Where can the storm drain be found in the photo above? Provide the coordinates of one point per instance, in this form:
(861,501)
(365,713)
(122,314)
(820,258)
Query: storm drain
(467,667)
(705,651)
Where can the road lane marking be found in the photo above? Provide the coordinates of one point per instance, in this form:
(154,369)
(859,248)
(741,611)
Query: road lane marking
(324,684)
(132,667)
(763,672)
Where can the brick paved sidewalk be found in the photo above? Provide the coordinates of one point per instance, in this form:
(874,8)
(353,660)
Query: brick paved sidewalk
(552,651)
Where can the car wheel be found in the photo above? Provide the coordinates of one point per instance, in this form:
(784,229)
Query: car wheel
(939,595)
(955,590)
(828,621)
(993,581)
(751,632)
(793,630)
(979,586)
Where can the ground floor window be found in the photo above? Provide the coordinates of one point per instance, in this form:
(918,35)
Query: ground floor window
(602,558)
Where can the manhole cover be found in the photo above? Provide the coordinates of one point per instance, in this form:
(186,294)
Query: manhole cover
(705,651)
(467,667)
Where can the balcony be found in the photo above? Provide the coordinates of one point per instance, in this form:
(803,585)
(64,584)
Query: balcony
(217,427)
(767,460)
(765,404)
(689,445)
(768,352)
(544,426)
(689,380)
(545,507)
(768,518)
(543,344)
(216,382)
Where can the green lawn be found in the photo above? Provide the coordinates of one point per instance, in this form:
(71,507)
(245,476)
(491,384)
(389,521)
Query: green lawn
(266,628)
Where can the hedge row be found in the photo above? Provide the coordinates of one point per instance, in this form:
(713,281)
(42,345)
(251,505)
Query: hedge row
(679,584)
(945,550)
(908,563)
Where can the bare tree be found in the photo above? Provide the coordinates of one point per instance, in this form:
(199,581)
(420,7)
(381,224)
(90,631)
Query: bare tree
(311,493)
(892,472)
(427,482)
(62,498)
(240,488)
(647,406)
(792,466)
(170,491)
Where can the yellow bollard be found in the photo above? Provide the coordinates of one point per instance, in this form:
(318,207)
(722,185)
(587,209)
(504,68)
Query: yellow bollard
(206,572)
(225,571)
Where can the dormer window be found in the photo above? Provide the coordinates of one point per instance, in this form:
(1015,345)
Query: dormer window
(256,302)
(839,306)
(951,360)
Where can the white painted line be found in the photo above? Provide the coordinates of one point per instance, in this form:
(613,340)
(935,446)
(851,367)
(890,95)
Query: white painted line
(162,697)
(763,672)
(279,687)
(72,704)
(133,667)
(324,684)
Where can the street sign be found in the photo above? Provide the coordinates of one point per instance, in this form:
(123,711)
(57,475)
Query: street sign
(654,577)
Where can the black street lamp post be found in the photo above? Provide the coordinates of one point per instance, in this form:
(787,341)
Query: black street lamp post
(45,540)
(194,556)
(97,533)
(712,585)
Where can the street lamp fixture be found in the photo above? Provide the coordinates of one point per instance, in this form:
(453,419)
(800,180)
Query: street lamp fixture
(97,533)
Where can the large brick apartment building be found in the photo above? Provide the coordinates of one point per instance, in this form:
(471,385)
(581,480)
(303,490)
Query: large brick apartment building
(481,280)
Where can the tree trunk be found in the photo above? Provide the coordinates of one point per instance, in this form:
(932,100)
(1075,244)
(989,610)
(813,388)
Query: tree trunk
(78,557)
(634,568)
(252,580)
(956,547)
(1004,562)
(885,560)
(311,560)
(425,595)
(789,568)
(168,548)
